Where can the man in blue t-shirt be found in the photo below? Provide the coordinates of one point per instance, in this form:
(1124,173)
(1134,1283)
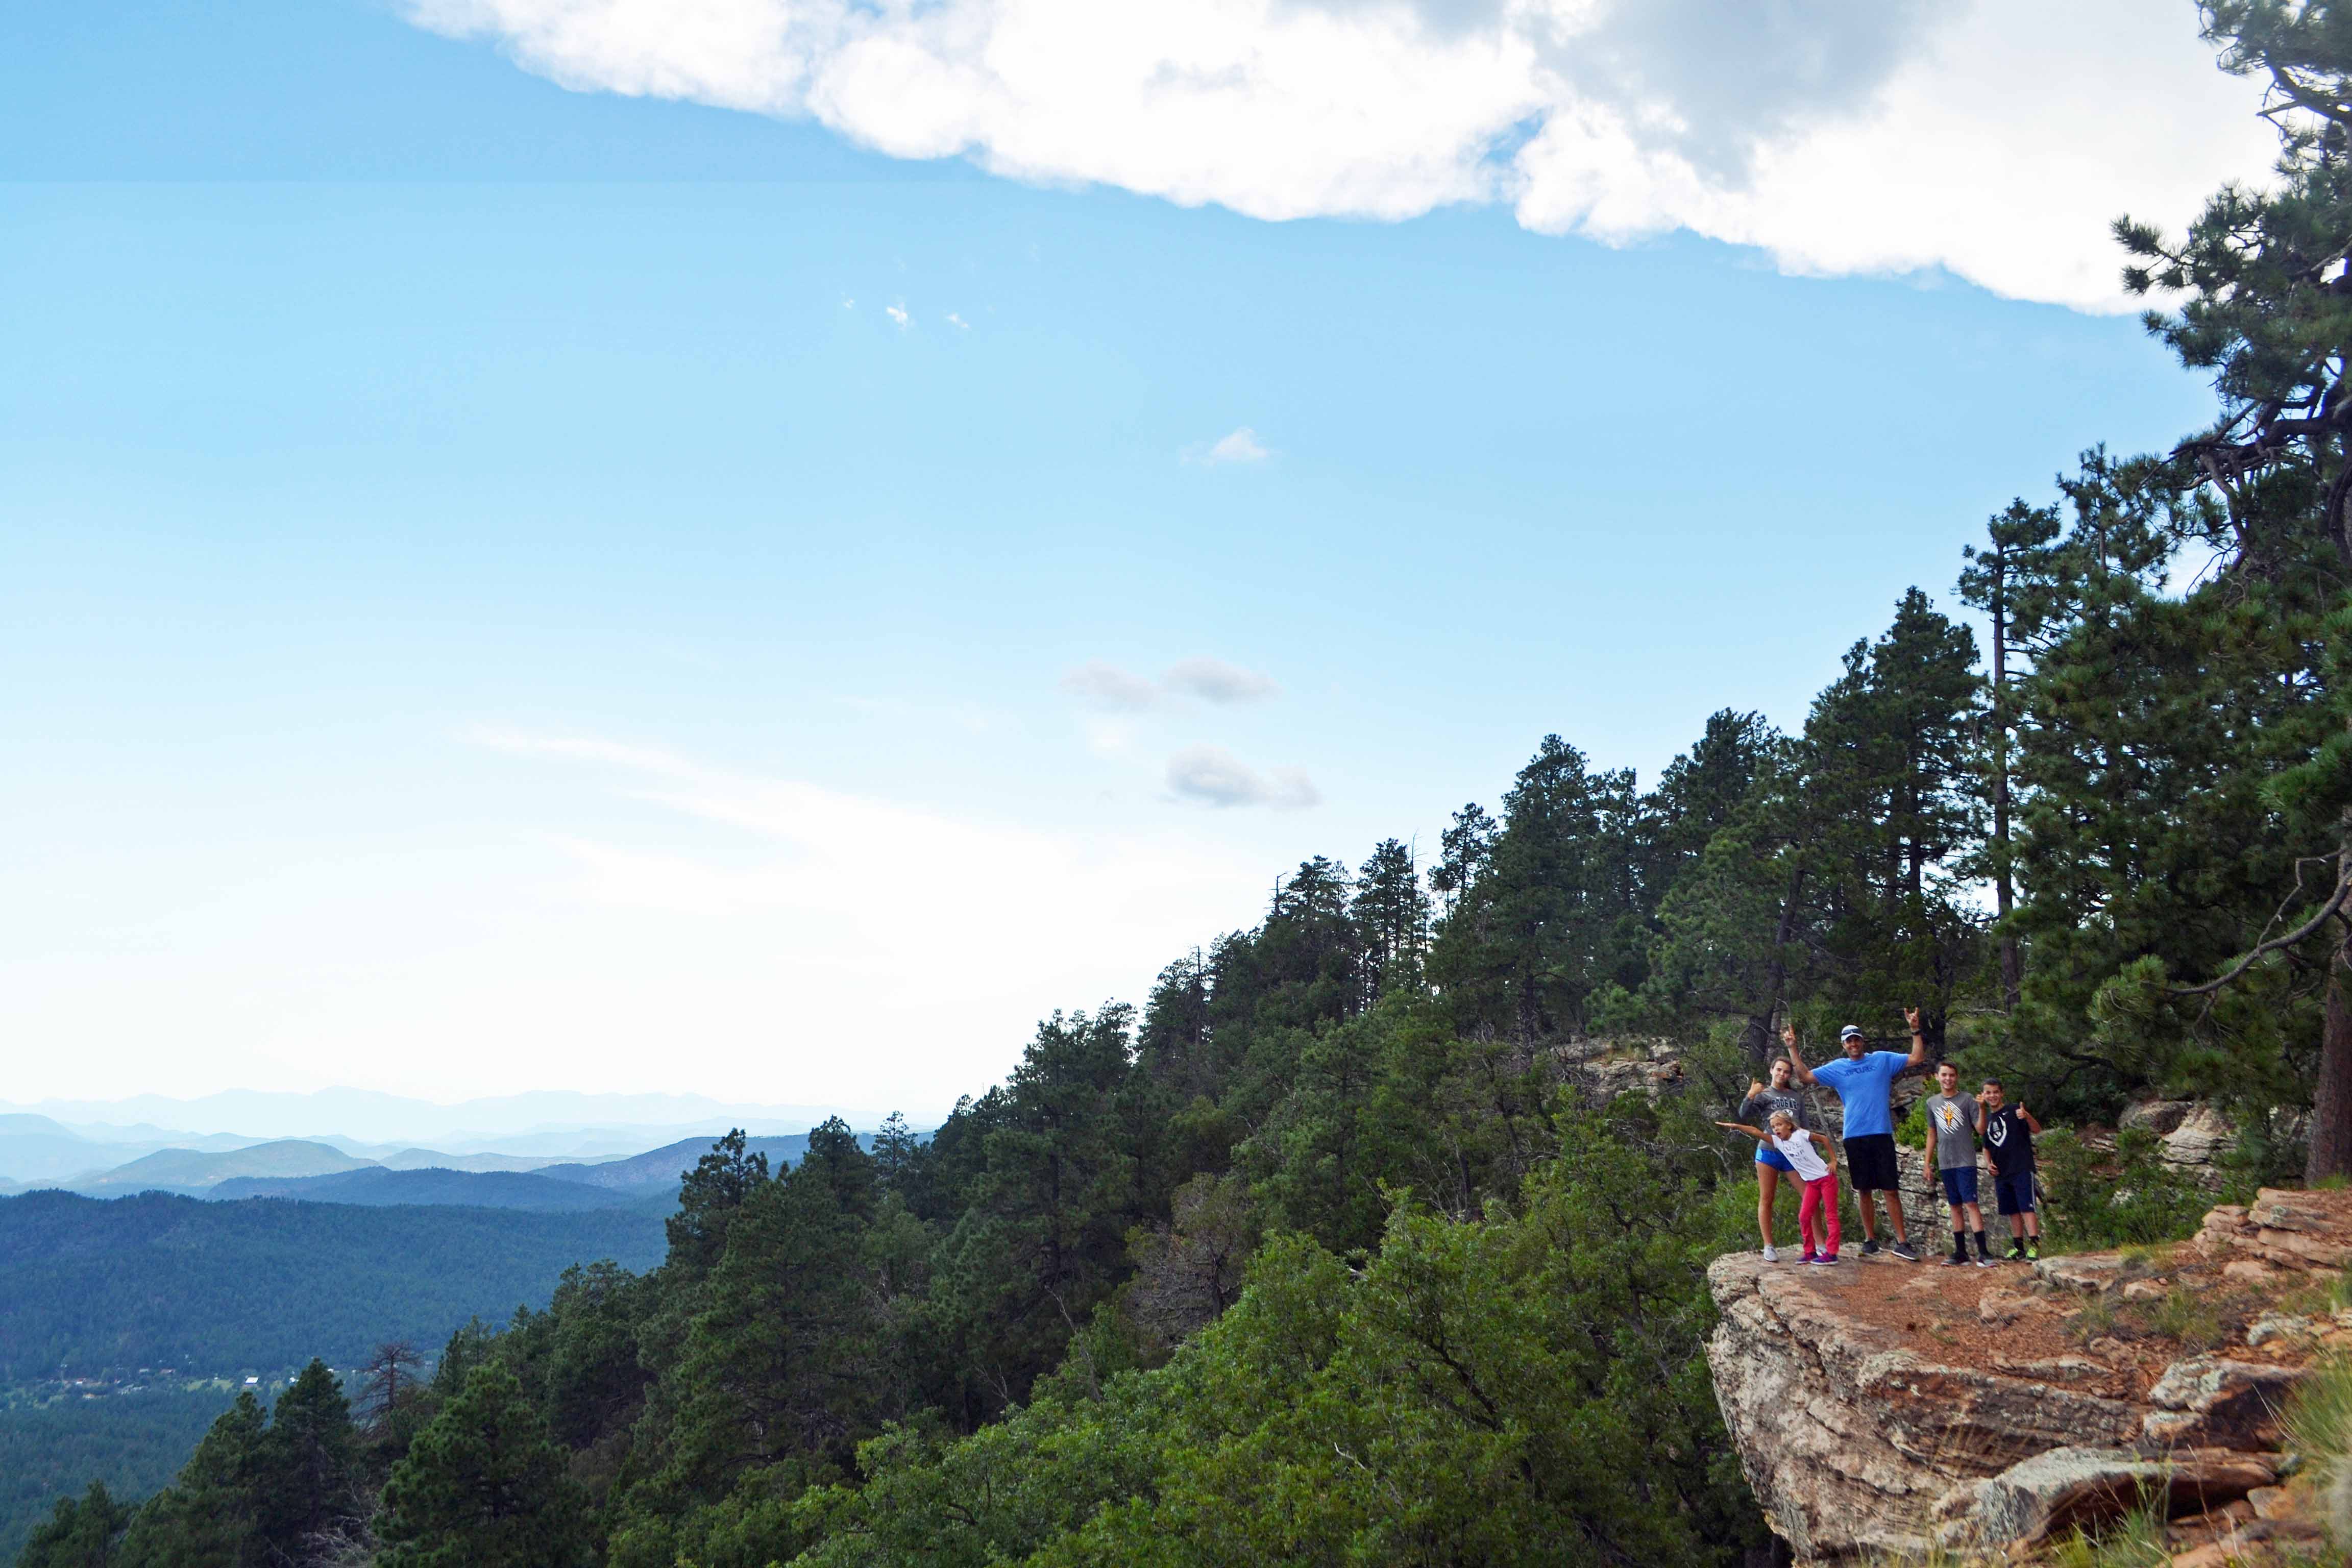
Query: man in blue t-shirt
(1863,1081)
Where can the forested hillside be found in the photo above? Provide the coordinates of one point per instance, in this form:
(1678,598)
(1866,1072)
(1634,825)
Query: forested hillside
(132,1445)
(377,1188)
(159,1280)
(1318,1255)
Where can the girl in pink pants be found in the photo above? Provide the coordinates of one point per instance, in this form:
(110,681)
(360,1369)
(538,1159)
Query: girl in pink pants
(1817,1212)
(1817,1217)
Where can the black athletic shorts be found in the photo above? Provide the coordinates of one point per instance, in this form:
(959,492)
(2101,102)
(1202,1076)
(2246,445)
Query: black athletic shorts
(2014,1192)
(1870,1162)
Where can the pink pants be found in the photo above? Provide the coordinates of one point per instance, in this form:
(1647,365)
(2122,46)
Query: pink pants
(1817,1214)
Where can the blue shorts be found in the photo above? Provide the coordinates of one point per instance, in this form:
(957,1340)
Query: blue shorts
(1767,1155)
(1960,1185)
(2014,1192)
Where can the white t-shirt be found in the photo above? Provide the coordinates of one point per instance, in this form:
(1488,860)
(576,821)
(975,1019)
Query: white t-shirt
(1797,1150)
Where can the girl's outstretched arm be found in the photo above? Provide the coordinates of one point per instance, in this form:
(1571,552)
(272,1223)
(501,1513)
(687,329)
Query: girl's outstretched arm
(1743,1127)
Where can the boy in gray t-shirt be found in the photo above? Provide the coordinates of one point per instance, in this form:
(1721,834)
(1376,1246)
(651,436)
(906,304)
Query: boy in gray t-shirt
(1951,1151)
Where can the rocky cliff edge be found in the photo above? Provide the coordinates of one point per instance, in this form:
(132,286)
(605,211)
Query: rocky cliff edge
(1884,1408)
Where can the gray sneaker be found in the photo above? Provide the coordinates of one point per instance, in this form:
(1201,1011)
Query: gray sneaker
(1903,1251)
(1869,1247)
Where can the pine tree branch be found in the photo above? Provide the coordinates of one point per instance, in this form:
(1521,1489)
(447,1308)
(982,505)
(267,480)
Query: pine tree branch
(2262,950)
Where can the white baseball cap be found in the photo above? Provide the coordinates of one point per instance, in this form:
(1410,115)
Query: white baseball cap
(1850,1033)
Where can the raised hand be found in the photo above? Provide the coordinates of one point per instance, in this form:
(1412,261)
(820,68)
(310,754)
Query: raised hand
(1789,1036)
(1911,1016)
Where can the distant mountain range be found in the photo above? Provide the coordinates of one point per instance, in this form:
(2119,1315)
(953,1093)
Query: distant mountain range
(662,1167)
(185,1170)
(107,1159)
(320,1172)
(513,1123)
(376,1187)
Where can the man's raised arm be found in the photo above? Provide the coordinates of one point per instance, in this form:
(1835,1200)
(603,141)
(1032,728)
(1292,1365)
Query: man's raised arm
(1799,1071)
(1919,1057)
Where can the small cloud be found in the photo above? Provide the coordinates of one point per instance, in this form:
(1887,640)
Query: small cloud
(848,304)
(1113,740)
(956,321)
(1214,680)
(1107,686)
(1242,446)
(899,314)
(1214,776)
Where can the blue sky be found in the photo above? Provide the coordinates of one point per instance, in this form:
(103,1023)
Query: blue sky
(509,586)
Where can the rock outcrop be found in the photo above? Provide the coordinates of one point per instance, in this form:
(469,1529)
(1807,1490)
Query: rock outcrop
(1883,1407)
(2193,1136)
(1607,1068)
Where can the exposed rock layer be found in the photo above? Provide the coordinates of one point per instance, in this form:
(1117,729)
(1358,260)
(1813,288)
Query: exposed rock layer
(1880,1406)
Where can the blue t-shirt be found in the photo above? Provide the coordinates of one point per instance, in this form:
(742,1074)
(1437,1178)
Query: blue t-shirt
(1863,1083)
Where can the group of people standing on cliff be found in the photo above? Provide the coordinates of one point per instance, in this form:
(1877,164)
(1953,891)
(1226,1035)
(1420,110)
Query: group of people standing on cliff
(1777,1116)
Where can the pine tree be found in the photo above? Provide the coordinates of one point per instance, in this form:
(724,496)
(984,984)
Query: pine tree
(2000,580)
(210,1516)
(1390,917)
(1175,1045)
(1698,795)
(1554,913)
(483,1488)
(897,1152)
(309,1467)
(2266,306)
(707,1197)
(1889,780)
(1462,851)
(79,1533)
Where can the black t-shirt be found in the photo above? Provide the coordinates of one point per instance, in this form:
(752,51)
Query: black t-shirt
(2008,1142)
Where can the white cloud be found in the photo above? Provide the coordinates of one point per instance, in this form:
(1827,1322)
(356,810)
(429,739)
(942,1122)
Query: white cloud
(899,314)
(1214,680)
(958,321)
(809,916)
(1242,446)
(1107,686)
(1992,137)
(1214,776)
(616,916)
(1113,740)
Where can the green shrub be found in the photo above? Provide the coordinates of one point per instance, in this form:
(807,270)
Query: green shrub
(2095,1198)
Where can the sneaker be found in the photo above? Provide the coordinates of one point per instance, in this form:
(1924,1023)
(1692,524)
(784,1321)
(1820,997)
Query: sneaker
(1869,1247)
(1903,1251)
(1809,1256)
(1986,1261)
(2016,1253)
(1772,1255)
(1957,1260)
(2033,1252)
(1826,1257)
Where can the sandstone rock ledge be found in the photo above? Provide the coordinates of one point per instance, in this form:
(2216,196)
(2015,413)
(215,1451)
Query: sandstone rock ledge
(1884,1408)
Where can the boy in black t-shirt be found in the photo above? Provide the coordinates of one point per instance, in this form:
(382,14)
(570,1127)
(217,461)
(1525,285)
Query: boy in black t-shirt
(2008,1132)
